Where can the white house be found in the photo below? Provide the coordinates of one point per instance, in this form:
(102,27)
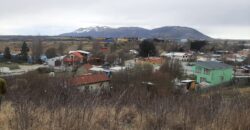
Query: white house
(134,52)
(182,56)
(56,61)
(117,68)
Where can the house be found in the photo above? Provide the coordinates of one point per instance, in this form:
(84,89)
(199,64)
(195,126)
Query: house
(212,72)
(122,40)
(91,82)
(73,58)
(202,58)
(206,57)
(133,52)
(182,56)
(83,53)
(100,69)
(234,57)
(244,52)
(156,62)
(117,68)
(106,71)
(153,60)
(56,61)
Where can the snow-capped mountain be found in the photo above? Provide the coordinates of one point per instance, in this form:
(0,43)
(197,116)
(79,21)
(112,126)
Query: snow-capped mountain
(168,32)
(89,29)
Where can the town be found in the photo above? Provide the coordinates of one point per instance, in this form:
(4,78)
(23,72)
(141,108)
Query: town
(82,78)
(124,65)
(90,63)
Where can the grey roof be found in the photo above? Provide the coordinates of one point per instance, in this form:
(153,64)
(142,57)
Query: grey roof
(213,65)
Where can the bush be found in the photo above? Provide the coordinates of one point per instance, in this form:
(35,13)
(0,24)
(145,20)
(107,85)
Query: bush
(11,66)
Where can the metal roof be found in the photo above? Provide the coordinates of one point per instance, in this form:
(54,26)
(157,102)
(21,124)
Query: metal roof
(212,65)
(89,79)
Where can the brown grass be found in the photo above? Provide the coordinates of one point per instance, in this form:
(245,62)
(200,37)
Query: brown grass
(178,113)
(44,103)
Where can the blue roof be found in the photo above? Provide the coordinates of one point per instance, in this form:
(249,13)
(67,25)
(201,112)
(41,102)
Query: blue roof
(213,65)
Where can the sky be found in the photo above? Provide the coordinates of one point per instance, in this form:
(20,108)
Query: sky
(225,19)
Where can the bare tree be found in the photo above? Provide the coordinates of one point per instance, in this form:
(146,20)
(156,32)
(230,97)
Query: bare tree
(61,48)
(37,49)
(96,47)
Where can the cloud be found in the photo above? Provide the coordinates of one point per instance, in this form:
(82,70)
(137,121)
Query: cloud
(213,17)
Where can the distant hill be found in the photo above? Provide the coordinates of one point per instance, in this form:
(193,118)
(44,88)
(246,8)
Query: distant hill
(168,32)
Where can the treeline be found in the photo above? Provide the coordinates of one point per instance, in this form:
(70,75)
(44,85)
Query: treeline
(32,53)
(22,56)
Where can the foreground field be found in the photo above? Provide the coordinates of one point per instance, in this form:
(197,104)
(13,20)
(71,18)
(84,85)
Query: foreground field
(39,102)
(190,112)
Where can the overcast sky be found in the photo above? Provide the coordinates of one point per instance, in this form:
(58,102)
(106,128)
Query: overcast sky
(216,18)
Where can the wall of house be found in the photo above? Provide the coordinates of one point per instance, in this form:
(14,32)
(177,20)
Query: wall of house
(227,75)
(97,87)
(52,61)
(201,74)
(182,57)
(76,59)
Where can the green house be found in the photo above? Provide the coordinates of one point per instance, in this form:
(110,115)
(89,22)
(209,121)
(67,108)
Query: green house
(212,72)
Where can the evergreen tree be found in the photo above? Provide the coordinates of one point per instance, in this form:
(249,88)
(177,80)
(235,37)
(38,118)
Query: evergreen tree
(147,48)
(61,49)
(24,52)
(7,54)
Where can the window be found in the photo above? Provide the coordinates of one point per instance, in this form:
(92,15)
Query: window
(71,57)
(203,79)
(222,78)
(198,70)
(207,71)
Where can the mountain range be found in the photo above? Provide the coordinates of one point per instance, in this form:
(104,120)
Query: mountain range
(167,32)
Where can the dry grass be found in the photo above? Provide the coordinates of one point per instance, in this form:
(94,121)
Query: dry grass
(180,113)
(44,104)
(245,91)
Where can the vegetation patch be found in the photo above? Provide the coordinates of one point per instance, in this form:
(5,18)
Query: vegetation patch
(11,66)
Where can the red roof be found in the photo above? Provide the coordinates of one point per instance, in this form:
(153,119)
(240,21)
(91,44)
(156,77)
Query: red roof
(71,60)
(104,49)
(78,54)
(154,60)
(89,79)
(78,58)
(87,66)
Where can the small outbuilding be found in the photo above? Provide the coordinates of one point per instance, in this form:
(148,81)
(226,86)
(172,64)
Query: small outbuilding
(92,82)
